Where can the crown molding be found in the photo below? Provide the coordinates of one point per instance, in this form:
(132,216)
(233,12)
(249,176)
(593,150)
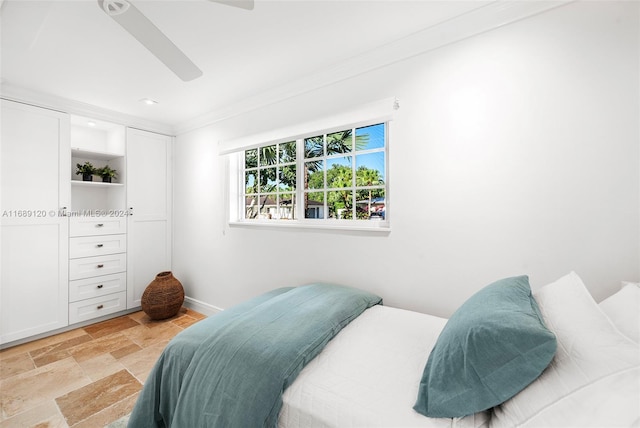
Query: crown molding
(475,22)
(53,102)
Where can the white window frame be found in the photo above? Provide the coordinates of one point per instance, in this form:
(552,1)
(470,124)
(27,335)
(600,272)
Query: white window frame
(234,151)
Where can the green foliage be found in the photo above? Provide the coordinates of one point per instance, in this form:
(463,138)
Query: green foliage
(288,152)
(106,171)
(341,176)
(313,147)
(288,178)
(268,155)
(368,177)
(251,158)
(267,180)
(86,168)
(270,170)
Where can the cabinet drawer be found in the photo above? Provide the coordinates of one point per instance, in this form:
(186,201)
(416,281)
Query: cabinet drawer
(95,266)
(90,226)
(97,307)
(81,289)
(87,246)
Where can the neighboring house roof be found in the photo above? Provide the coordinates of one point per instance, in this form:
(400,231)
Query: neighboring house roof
(374,201)
(270,201)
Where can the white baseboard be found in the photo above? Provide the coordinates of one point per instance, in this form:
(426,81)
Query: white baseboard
(202,307)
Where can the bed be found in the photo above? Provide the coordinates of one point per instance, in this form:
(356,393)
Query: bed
(557,359)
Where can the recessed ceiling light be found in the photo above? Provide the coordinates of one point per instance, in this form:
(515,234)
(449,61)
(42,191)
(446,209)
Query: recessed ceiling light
(148,101)
(91,123)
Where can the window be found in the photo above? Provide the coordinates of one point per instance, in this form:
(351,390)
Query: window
(339,176)
(270,181)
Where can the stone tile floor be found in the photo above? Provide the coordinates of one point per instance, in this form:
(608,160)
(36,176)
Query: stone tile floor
(87,377)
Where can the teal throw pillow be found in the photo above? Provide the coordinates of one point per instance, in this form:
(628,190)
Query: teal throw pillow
(491,348)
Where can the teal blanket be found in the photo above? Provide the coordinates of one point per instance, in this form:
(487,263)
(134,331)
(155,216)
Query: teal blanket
(231,369)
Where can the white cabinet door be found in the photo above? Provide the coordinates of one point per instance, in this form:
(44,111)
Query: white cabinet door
(149,202)
(34,173)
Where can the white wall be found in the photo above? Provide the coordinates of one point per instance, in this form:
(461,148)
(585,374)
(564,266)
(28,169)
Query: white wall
(514,152)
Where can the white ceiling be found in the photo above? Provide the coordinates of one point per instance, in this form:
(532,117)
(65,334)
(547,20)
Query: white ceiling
(73,50)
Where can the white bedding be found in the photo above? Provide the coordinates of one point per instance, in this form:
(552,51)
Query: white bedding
(368,376)
(611,401)
(623,309)
(593,380)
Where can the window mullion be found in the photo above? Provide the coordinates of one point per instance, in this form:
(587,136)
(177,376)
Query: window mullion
(354,197)
(325,214)
(299,206)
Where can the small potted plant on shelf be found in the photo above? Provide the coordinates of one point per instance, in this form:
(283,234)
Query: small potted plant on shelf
(86,170)
(107,173)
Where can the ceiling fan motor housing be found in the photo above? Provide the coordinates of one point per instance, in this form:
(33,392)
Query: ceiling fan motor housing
(114,7)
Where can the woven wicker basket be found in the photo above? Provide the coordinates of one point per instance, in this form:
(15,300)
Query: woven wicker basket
(163,297)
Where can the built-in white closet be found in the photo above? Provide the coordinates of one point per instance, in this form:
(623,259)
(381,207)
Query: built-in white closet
(34,193)
(76,251)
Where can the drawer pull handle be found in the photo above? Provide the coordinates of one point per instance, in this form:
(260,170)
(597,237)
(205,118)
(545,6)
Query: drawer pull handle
(100,306)
(99,224)
(100,286)
(100,266)
(100,245)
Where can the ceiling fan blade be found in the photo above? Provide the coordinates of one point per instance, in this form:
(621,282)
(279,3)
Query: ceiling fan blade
(243,4)
(139,26)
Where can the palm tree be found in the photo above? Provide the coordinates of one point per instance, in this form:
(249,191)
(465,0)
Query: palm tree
(368,177)
(264,156)
(337,142)
(314,147)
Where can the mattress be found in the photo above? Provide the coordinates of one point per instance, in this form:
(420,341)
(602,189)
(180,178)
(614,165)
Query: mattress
(368,376)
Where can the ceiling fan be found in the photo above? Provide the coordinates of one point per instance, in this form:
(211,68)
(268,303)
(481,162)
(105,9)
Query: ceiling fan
(150,36)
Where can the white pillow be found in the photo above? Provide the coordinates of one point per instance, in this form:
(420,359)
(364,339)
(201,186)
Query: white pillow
(623,308)
(595,367)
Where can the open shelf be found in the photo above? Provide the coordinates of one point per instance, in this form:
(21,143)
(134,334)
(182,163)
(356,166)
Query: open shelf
(94,183)
(90,154)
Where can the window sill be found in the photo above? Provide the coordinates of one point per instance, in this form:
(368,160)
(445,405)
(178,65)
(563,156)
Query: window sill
(377,227)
